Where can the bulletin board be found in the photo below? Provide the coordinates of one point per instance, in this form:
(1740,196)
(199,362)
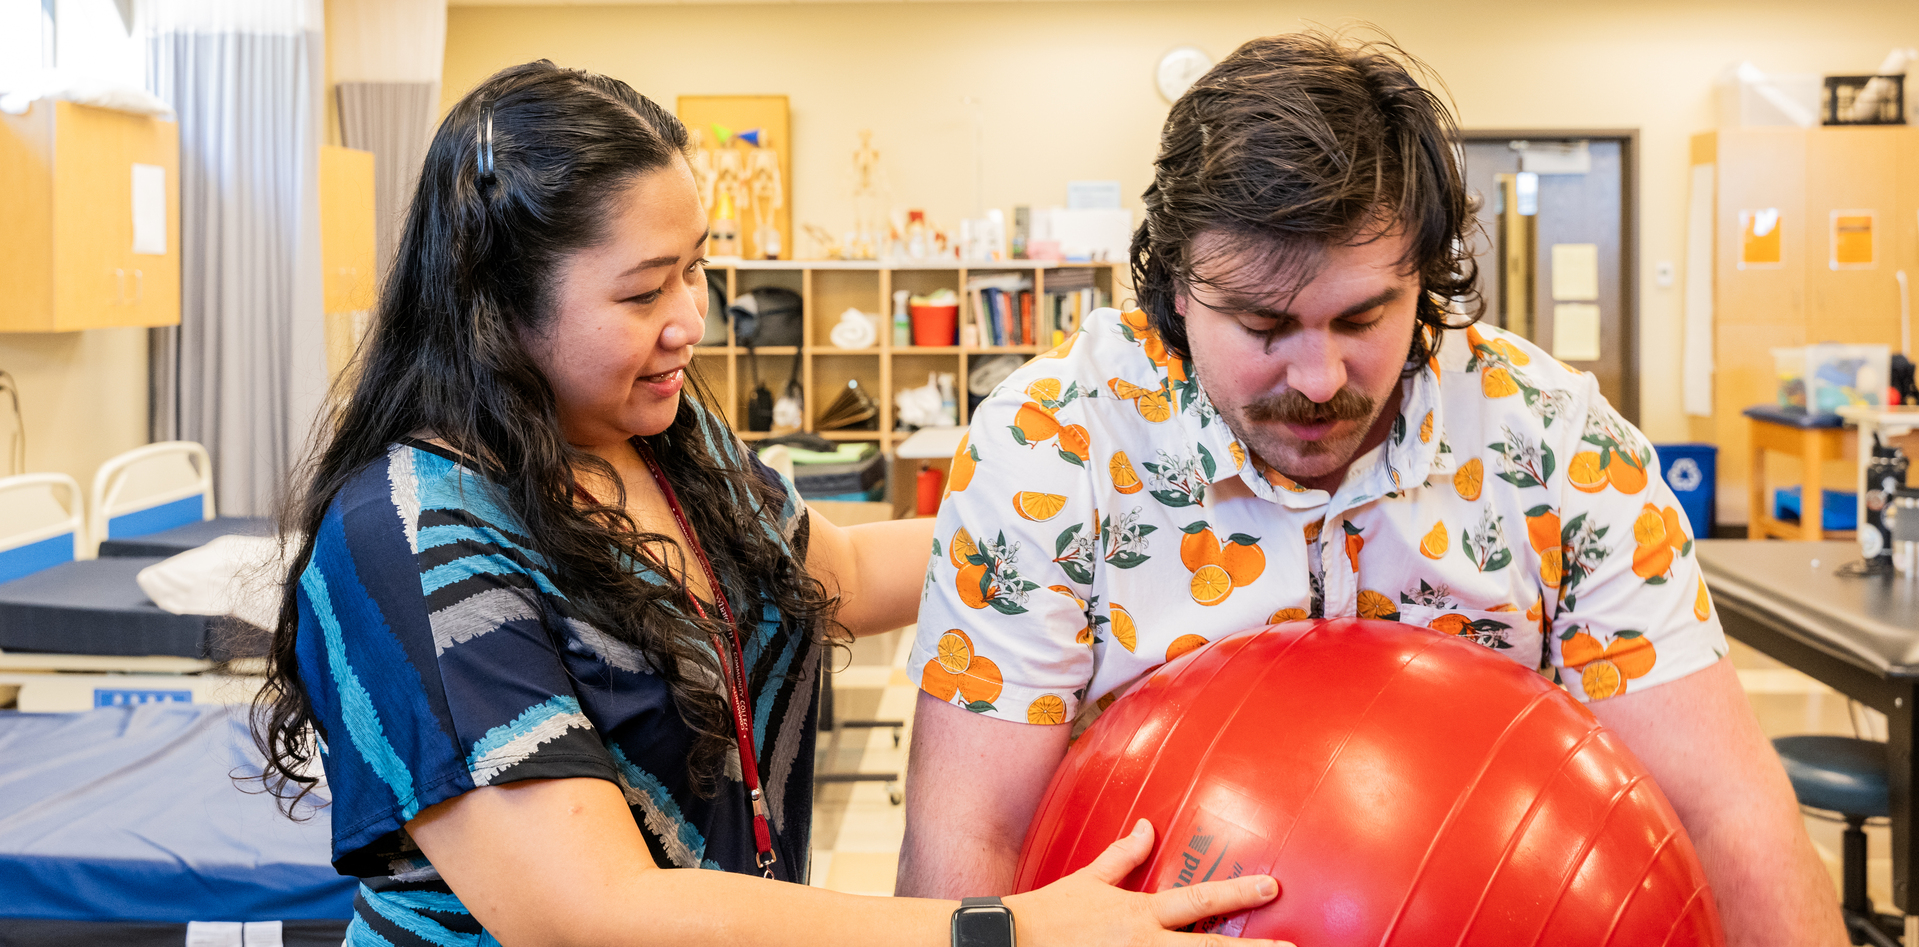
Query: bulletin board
(742,154)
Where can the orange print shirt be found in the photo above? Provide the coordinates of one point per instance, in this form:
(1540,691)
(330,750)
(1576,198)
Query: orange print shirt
(1101,520)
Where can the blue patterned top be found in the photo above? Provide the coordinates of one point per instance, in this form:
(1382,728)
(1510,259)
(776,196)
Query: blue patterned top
(440,656)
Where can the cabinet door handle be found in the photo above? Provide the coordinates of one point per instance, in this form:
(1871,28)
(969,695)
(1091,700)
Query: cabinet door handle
(139,285)
(119,286)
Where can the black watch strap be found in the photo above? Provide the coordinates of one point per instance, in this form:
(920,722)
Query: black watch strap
(983,922)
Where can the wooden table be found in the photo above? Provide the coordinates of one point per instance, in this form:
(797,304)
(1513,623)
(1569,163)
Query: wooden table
(1859,636)
(1813,441)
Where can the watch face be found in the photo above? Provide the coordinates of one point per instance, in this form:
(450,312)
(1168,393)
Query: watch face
(983,927)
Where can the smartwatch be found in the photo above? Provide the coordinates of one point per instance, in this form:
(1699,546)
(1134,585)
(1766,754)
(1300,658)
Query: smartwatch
(982,922)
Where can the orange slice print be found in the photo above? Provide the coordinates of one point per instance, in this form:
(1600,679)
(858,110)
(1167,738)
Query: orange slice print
(1607,672)
(1182,645)
(1470,479)
(1702,603)
(1313,529)
(1436,543)
(1124,631)
(1038,507)
(1061,350)
(1426,429)
(1238,454)
(1584,472)
(1044,389)
(1125,478)
(1374,605)
(1552,566)
(960,547)
(1046,709)
(1497,382)
(1210,584)
(1155,406)
(1125,390)
(955,651)
(1288,614)
(1136,320)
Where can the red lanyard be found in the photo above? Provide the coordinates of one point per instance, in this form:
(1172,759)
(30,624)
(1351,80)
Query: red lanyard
(732,665)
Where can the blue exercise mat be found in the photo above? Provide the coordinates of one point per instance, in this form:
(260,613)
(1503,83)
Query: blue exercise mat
(131,814)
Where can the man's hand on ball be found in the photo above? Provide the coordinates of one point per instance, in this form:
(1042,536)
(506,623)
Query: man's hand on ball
(1086,907)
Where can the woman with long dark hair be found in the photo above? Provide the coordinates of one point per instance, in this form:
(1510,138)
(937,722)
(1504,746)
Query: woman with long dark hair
(551,629)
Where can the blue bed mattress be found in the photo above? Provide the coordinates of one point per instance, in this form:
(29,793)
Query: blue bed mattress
(179,539)
(130,814)
(94,606)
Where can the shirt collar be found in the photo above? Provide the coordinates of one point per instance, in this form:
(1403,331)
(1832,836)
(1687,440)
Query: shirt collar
(1415,451)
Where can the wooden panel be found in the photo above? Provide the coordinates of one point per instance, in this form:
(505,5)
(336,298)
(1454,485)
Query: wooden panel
(26,204)
(155,297)
(346,229)
(1904,227)
(1851,169)
(98,279)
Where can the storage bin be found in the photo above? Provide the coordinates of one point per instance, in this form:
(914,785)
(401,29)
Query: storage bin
(1838,375)
(1841,510)
(1691,471)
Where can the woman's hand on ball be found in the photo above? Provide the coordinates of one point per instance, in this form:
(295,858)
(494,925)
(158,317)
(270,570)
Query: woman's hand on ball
(1086,907)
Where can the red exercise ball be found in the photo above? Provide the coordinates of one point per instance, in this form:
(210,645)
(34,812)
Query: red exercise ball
(1403,785)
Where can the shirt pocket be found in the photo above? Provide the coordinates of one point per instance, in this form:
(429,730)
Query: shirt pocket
(1508,633)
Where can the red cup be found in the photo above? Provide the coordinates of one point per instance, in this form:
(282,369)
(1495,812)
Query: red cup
(935,325)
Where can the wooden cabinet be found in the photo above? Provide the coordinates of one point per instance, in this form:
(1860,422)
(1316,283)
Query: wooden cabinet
(67,257)
(827,288)
(1806,176)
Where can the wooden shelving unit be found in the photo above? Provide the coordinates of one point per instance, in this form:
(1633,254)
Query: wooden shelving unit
(829,287)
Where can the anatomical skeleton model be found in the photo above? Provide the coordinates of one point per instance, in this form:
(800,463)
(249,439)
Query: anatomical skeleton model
(768,193)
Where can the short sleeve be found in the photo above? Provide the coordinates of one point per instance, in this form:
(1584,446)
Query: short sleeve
(1003,626)
(1633,608)
(422,647)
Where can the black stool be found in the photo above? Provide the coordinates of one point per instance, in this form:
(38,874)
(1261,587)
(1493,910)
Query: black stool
(1847,776)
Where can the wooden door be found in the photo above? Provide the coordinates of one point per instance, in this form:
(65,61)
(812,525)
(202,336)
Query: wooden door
(1583,215)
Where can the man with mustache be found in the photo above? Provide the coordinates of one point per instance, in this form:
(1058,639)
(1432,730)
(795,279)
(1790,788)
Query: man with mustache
(1300,421)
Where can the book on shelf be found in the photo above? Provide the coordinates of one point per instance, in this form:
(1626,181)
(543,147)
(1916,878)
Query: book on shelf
(998,303)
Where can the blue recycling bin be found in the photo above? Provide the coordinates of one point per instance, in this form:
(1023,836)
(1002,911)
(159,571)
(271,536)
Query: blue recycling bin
(1690,470)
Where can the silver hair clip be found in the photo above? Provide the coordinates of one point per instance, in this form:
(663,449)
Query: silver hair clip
(486,146)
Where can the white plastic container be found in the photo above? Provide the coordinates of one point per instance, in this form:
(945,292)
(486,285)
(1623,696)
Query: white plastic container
(1838,374)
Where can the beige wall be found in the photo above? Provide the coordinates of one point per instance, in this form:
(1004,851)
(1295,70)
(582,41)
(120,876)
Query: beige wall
(83,396)
(1064,90)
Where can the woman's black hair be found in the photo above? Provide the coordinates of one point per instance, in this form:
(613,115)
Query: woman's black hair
(1299,142)
(524,171)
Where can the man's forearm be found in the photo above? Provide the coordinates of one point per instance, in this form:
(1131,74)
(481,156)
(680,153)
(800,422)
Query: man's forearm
(1771,887)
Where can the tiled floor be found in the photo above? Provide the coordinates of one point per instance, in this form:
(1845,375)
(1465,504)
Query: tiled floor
(857,830)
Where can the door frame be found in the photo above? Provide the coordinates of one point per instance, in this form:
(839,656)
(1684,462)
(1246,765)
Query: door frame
(1628,139)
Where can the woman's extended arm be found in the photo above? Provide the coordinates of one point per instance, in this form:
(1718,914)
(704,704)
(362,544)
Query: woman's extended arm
(876,569)
(560,862)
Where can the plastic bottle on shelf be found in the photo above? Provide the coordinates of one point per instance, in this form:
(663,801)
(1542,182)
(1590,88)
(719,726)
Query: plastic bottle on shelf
(902,319)
(918,247)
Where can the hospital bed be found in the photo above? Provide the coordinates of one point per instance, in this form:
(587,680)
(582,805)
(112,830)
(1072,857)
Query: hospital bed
(62,609)
(123,825)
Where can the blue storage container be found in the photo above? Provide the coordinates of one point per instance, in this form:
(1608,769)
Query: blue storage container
(1690,470)
(1840,509)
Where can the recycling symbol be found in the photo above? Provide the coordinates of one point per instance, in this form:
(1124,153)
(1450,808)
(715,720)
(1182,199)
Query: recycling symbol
(1684,475)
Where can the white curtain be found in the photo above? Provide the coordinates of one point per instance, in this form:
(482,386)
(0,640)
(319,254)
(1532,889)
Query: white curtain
(387,56)
(245,371)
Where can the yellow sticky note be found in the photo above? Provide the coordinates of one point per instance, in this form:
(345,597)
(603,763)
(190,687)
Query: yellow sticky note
(1759,237)
(1852,239)
(1576,332)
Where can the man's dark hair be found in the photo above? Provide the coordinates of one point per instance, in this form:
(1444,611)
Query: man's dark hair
(1295,143)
